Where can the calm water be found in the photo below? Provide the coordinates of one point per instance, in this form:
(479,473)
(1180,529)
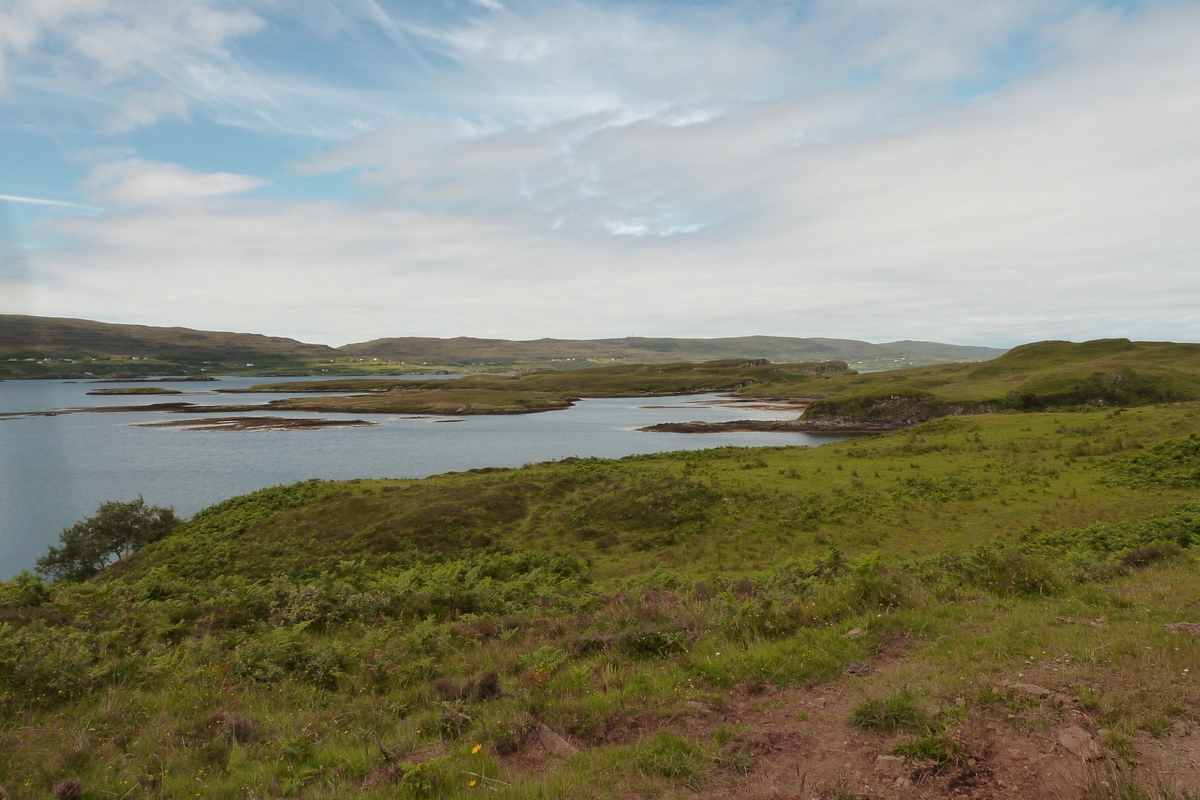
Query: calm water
(57,470)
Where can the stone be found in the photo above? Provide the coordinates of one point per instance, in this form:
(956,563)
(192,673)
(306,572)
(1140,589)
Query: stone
(1184,627)
(1078,742)
(817,702)
(553,742)
(889,762)
(854,633)
(1031,689)
(1179,728)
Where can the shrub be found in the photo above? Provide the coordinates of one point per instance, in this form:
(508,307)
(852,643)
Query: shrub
(45,663)
(116,530)
(284,653)
(646,643)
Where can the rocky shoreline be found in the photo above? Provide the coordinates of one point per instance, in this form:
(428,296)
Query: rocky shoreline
(777,426)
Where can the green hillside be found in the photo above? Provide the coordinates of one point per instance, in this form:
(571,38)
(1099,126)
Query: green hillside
(565,353)
(1105,372)
(52,347)
(930,612)
(45,347)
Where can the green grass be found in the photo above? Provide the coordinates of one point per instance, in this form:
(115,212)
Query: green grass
(382,638)
(1101,373)
(896,712)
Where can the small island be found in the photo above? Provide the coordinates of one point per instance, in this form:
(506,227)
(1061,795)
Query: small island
(136,390)
(257,424)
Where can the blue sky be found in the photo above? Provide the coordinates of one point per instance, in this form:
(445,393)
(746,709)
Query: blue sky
(990,172)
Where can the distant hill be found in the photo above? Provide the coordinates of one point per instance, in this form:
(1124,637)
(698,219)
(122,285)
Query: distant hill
(74,348)
(49,347)
(466,351)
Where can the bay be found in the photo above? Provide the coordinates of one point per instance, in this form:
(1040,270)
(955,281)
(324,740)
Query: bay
(56,470)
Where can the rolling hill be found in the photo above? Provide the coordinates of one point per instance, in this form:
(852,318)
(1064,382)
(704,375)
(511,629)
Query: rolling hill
(48,347)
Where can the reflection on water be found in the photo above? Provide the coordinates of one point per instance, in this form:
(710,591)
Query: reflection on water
(56,470)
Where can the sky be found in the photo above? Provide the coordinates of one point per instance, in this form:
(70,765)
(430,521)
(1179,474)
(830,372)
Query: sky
(985,172)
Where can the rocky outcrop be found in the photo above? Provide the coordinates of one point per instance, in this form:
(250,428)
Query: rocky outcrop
(844,425)
(877,414)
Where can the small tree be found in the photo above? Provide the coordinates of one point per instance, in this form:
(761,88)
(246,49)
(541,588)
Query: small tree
(117,530)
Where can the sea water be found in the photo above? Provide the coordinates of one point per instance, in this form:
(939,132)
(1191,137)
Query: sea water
(57,470)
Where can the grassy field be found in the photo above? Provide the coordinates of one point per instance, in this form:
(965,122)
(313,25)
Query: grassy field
(726,623)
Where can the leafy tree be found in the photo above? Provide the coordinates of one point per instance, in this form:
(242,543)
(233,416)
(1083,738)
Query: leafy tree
(117,530)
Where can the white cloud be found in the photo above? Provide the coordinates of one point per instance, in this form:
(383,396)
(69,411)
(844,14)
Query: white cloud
(38,201)
(120,37)
(628,193)
(118,62)
(135,183)
(143,109)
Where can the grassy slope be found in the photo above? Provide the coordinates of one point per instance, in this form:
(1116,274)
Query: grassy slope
(82,348)
(467,351)
(335,639)
(1109,372)
(102,348)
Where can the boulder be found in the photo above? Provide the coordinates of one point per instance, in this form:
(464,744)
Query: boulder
(1078,742)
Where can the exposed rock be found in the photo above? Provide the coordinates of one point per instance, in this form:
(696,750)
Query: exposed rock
(854,633)
(1184,627)
(553,742)
(825,425)
(888,762)
(1040,692)
(1078,742)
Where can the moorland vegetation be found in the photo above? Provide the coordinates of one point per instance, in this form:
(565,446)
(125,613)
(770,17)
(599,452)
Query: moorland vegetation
(751,622)
(1104,373)
(49,347)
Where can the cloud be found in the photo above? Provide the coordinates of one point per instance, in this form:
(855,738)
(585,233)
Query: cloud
(119,37)
(116,63)
(143,109)
(135,183)
(39,201)
(992,172)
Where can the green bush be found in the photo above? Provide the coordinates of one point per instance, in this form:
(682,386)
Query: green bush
(285,653)
(47,664)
